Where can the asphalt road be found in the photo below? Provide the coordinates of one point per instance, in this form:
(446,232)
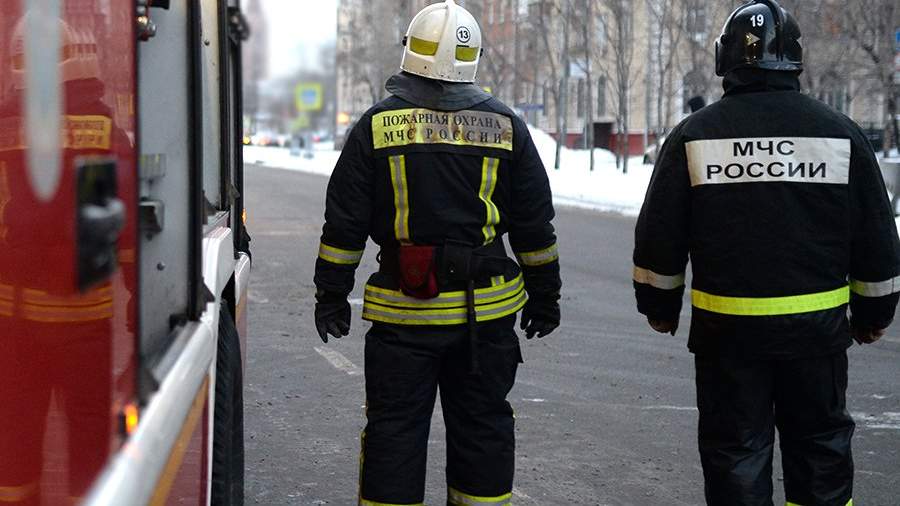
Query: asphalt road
(605,408)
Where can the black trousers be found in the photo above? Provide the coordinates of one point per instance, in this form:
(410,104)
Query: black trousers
(742,402)
(404,368)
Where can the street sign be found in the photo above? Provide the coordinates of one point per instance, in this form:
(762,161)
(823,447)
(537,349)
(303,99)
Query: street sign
(308,97)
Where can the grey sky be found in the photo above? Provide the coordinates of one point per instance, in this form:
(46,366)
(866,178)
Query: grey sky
(297,28)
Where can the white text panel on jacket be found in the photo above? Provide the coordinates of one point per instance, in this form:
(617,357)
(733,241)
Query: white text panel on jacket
(769,160)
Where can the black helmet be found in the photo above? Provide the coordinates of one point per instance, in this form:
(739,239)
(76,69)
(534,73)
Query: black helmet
(759,34)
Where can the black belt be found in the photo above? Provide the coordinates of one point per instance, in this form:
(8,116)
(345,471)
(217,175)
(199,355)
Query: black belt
(458,262)
(455,261)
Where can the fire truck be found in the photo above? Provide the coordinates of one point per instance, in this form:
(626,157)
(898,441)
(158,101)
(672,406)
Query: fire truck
(124,262)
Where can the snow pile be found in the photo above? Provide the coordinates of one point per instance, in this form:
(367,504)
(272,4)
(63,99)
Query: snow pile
(604,189)
(320,160)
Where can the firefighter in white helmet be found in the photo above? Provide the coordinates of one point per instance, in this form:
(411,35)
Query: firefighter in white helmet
(436,174)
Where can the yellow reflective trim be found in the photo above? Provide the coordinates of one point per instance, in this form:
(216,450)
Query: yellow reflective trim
(7,292)
(401,197)
(498,280)
(17,494)
(467,54)
(457,498)
(453,296)
(771,306)
(422,46)
(39,306)
(488,184)
(78,314)
(789,503)
(339,256)
(450,300)
(403,127)
(385,314)
(451,311)
(540,257)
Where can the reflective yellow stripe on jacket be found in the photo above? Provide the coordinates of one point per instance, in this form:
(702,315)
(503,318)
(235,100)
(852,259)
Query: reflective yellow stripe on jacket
(771,306)
(540,257)
(488,184)
(491,303)
(401,198)
(457,498)
(338,255)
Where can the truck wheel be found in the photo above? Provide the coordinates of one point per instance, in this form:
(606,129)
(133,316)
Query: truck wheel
(228,425)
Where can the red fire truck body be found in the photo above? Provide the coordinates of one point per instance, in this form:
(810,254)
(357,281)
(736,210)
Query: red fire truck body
(124,264)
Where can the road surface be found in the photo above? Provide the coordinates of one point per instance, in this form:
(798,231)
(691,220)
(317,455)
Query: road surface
(605,408)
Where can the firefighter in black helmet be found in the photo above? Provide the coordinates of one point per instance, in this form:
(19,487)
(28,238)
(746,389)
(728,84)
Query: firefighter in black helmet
(781,207)
(436,174)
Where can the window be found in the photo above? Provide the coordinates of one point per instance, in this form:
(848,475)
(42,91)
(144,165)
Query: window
(601,96)
(502,12)
(696,23)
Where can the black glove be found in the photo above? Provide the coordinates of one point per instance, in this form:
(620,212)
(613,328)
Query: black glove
(332,315)
(540,316)
(663,326)
(866,335)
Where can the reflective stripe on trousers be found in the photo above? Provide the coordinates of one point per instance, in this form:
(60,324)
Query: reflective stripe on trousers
(457,498)
(789,503)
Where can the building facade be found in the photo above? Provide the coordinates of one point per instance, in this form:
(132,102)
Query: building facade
(613,66)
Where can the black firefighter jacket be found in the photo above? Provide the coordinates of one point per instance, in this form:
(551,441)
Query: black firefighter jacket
(780,204)
(435,163)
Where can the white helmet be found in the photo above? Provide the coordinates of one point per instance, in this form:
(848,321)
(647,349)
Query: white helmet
(443,42)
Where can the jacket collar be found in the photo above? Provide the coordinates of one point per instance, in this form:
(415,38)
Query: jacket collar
(433,94)
(758,80)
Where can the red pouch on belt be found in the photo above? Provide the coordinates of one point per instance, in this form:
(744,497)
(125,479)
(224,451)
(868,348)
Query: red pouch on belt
(418,277)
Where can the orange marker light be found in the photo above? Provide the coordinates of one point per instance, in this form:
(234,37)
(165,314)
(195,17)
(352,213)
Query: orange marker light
(244,216)
(131,416)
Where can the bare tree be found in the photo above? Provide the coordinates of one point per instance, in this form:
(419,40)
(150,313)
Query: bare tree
(666,41)
(587,35)
(549,16)
(621,71)
(870,25)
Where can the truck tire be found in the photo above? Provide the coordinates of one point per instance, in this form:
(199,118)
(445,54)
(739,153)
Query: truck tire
(228,421)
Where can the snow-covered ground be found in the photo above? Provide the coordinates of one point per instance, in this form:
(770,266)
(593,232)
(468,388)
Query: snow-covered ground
(604,189)
(320,160)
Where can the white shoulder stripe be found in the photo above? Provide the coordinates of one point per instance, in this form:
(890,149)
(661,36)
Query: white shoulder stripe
(648,277)
(876,289)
